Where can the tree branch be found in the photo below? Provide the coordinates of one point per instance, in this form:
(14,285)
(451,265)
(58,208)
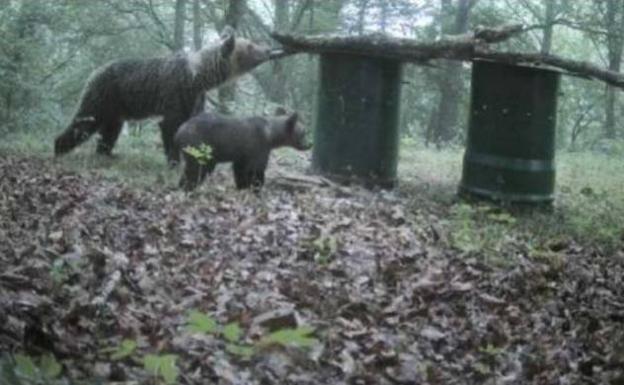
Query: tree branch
(465,47)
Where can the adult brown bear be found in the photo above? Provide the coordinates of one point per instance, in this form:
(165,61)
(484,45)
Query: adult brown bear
(171,87)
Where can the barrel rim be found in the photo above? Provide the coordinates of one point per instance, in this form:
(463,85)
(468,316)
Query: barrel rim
(509,163)
(372,181)
(506,197)
(526,65)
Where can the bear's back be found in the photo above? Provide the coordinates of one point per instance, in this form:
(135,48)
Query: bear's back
(230,138)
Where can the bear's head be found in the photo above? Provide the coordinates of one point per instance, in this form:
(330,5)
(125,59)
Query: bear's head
(288,130)
(242,54)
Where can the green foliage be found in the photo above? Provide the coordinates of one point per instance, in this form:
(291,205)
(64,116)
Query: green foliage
(62,269)
(49,48)
(325,247)
(201,323)
(162,366)
(125,350)
(232,333)
(22,369)
(242,351)
(26,367)
(298,338)
(201,153)
(50,367)
(481,229)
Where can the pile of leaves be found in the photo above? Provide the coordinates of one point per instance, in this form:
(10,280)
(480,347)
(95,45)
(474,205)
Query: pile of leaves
(299,285)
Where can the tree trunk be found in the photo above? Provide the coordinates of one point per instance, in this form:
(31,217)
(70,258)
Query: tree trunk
(549,19)
(233,16)
(197,25)
(383,15)
(615,24)
(362,6)
(451,87)
(179,22)
(282,22)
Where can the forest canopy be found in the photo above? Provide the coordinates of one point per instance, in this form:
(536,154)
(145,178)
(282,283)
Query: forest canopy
(50,48)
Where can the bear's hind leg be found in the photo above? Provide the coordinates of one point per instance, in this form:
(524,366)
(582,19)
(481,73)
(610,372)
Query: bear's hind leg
(246,176)
(168,128)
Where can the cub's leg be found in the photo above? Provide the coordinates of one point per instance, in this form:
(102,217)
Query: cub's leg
(257,180)
(242,175)
(194,173)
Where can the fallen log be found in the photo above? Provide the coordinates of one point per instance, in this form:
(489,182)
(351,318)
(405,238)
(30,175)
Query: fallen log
(467,47)
(380,45)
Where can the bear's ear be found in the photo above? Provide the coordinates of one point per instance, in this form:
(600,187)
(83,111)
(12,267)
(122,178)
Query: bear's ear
(291,122)
(228,41)
(279,111)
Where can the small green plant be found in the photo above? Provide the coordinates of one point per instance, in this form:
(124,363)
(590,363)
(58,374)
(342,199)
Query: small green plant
(325,246)
(199,322)
(465,235)
(162,366)
(125,350)
(62,270)
(201,153)
(232,333)
(483,230)
(297,337)
(22,369)
(243,351)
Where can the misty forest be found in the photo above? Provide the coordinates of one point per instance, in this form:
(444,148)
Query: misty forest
(311,192)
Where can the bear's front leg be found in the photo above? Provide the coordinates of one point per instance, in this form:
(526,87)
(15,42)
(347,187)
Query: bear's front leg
(194,173)
(109,133)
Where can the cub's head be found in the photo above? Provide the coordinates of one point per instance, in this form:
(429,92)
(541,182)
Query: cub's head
(288,131)
(243,55)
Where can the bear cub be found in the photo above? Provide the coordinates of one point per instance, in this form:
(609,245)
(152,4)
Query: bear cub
(246,143)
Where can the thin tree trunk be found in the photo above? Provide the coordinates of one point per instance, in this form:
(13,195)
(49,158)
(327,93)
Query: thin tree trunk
(549,19)
(615,24)
(197,25)
(179,22)
(233,16)
(383,15)
(282,21)
(363,4)
(451,87)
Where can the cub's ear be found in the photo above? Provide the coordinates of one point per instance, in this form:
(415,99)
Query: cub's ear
(291,122)
(279,111)
(228,41)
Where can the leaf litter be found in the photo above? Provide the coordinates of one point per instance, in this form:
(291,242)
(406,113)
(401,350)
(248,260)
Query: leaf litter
(88,267)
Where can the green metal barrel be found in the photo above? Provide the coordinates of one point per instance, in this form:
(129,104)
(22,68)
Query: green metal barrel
(511,135)
(356,131)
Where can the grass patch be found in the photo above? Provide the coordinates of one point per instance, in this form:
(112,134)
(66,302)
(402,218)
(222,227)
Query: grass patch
(588,209)
(138,158)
